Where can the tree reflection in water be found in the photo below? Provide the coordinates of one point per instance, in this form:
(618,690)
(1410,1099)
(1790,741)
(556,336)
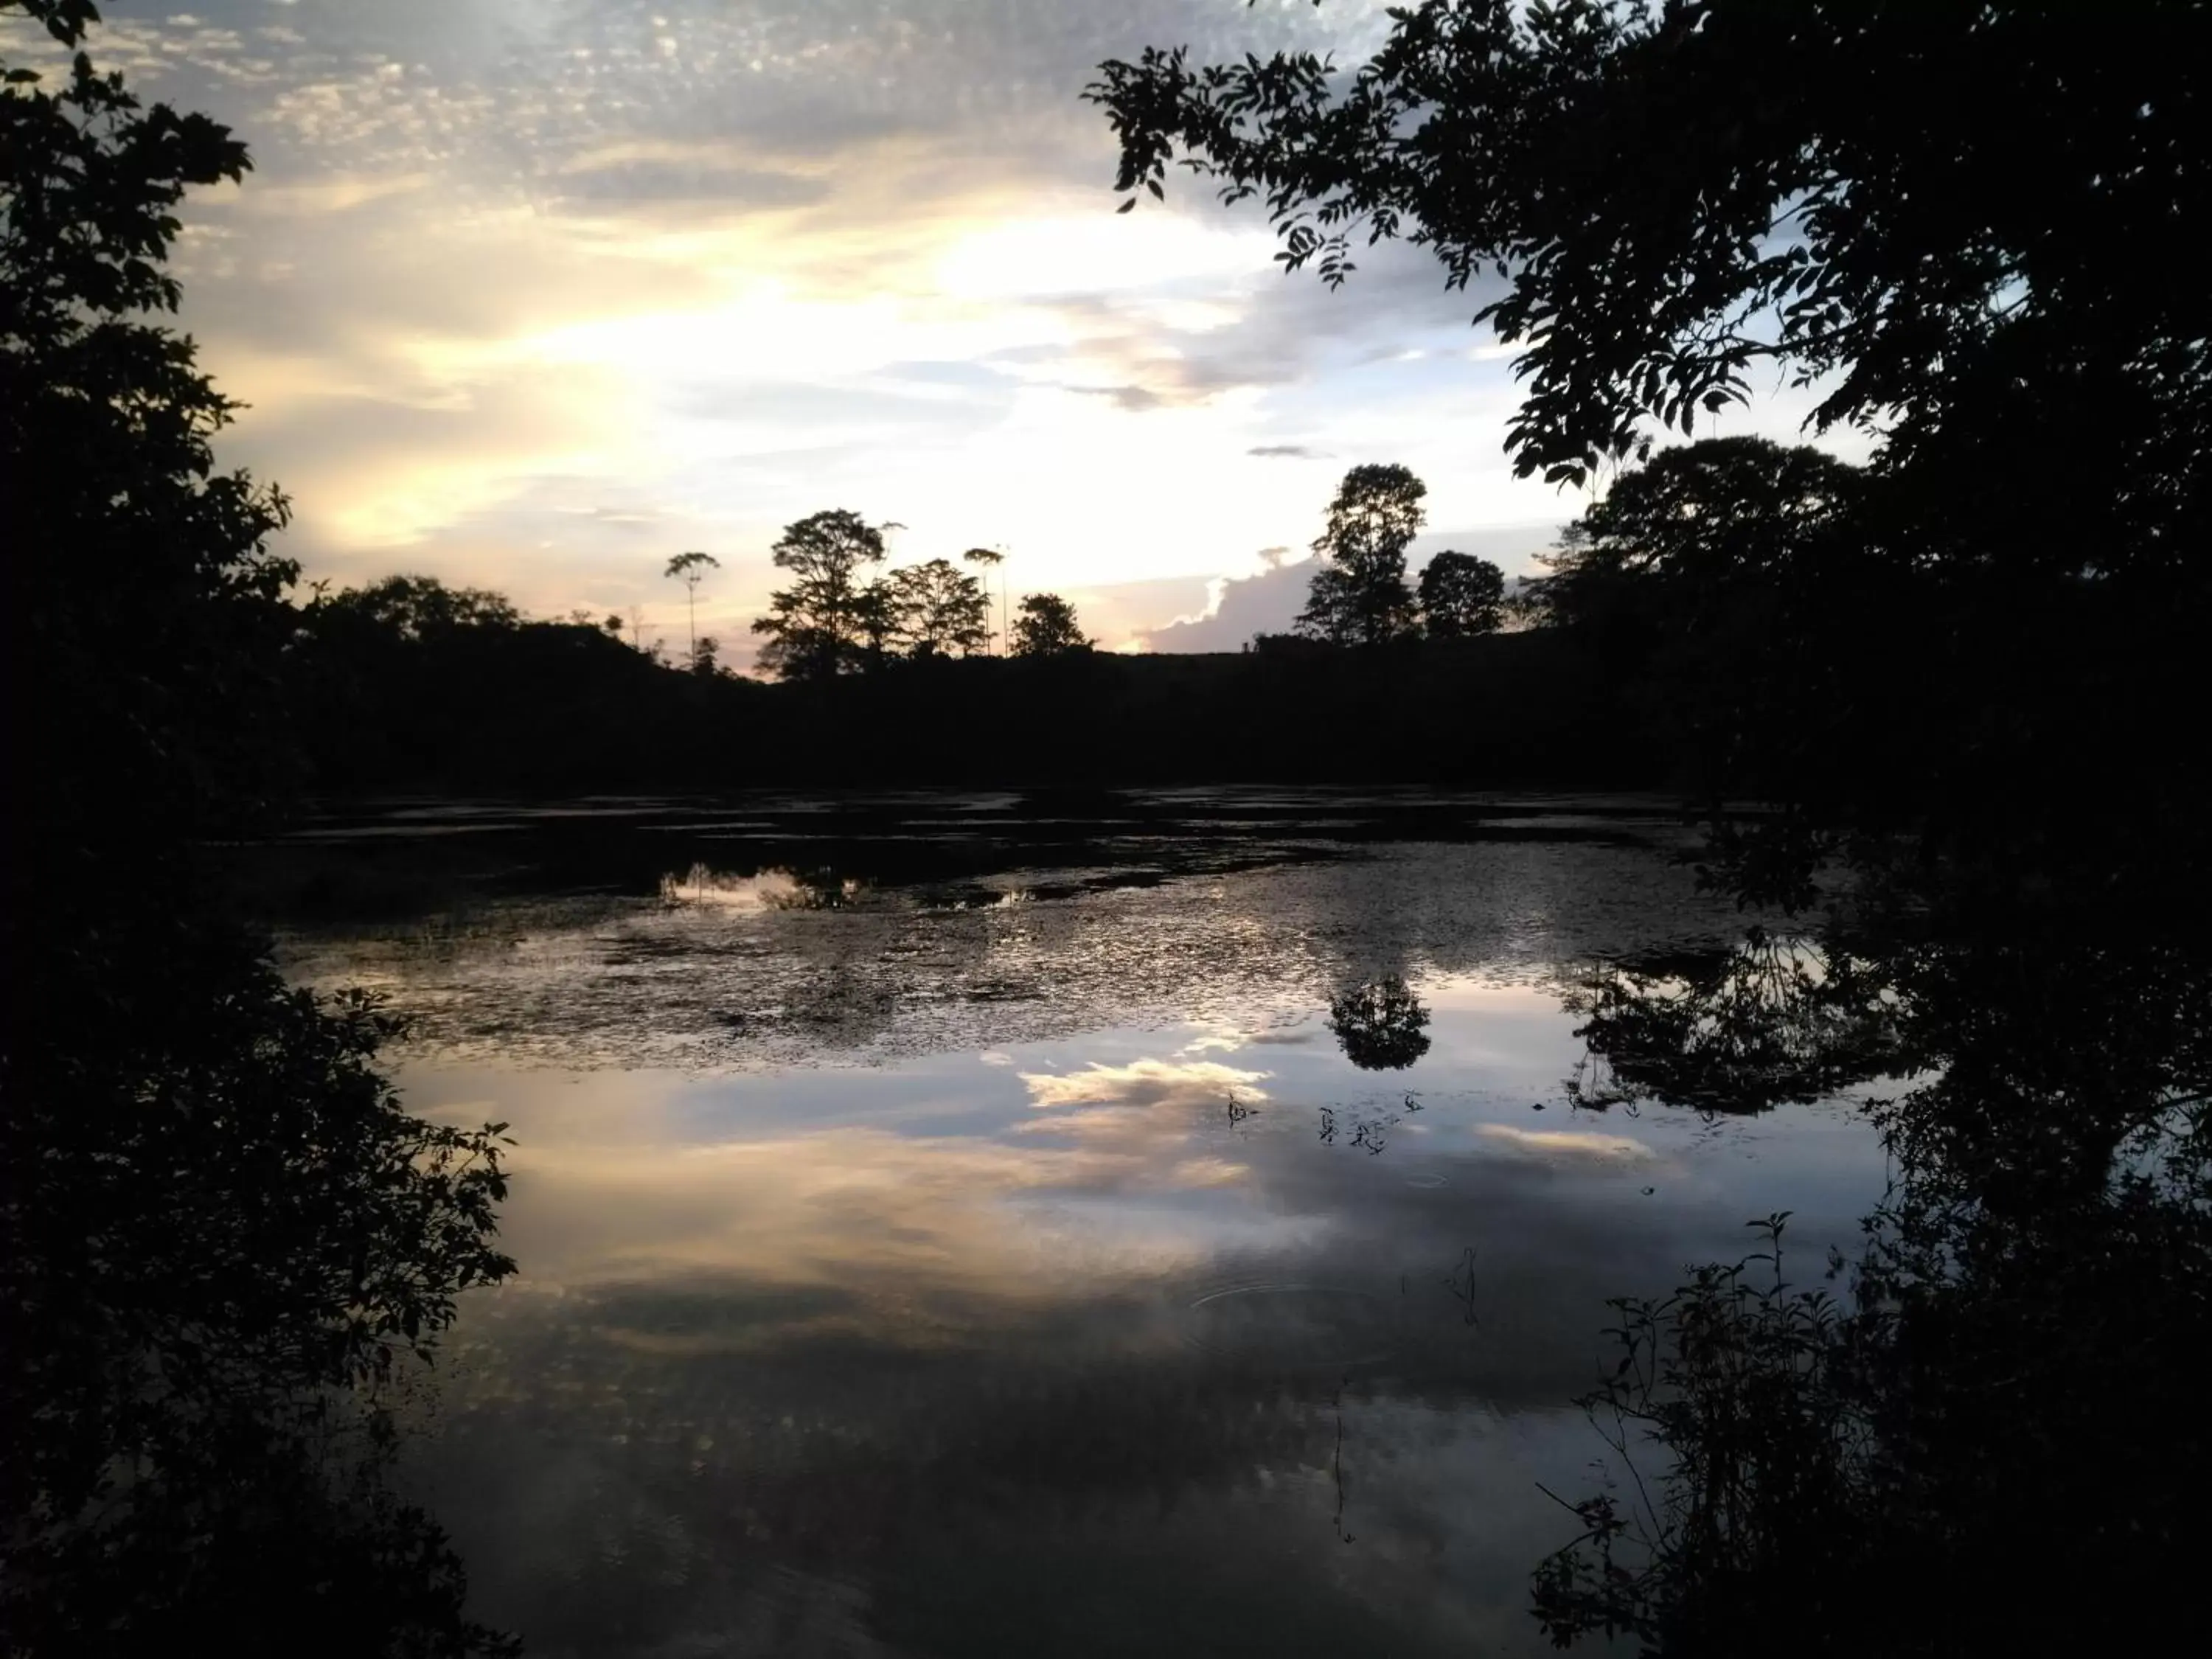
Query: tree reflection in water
(1998,1391)
(1777,1019)
(1380,1023)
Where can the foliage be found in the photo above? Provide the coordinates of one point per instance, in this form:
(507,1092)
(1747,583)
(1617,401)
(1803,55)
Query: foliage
(407,684)
(1739,1377)
(1679,538)
(936,610)
(1359,593)
(1729,583)
(1460,596)
(218,1225)
(1795,645)
(2027,1302)
(1380,1023)
(235,1238)
(106,422)
(1902,267)
(825,625)
(417,607)
(690,569)
(1777,1017)
(1045,626)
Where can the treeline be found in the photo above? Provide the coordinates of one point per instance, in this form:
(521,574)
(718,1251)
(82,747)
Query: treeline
(412,686)
(1734,619)
(408,684)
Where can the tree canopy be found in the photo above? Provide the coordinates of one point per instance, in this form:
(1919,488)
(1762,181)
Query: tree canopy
(1045,626)
(822,625)
(938,610)
(1358,594)
(1664,205)
(415,607)
(1460,596)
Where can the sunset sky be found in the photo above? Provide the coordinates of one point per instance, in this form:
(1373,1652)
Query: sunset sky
(534,293)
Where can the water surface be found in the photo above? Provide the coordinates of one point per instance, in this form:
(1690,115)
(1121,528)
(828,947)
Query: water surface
(955,1227)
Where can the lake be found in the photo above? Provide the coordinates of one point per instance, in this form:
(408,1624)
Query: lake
(959,1225)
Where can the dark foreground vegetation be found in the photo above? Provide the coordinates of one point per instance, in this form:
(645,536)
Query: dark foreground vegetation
(1964,678)
(223,1244)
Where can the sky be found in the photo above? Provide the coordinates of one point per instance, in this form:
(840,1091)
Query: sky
(534,295)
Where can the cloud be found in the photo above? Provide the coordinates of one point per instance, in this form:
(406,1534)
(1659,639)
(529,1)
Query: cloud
(727,187)
(1145,1112)
(1566,1143)
(1238,608)
(1185,1083)
(1269,601)
(517,288)
(831,1207)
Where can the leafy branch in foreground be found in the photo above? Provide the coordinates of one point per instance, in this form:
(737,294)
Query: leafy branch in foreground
(220,1234)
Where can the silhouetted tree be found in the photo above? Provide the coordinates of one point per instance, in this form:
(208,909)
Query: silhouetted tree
(1359,595)
(691,569)
(986,560)
(1047,626)
(1462,595)
(419,607)
(937,610)
(219,1229)
(820,626)
(1677,539)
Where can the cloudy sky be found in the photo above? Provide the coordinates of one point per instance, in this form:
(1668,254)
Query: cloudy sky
(534,293)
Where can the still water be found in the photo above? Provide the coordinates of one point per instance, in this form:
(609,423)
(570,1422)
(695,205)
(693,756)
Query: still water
(957,1226)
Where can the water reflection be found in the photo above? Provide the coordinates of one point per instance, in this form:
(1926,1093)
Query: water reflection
(772,889)
(2001,1377)
(1774,1017)
(1039,1277)
(1380,1023)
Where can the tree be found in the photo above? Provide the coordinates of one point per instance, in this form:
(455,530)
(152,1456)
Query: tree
(1462,595)
(1358,594)
(1047,626)
(1900,269)
(818,627)
(691,569)
(937,610)
(219,1229)
(421,607)
(1697,527)
(986,560)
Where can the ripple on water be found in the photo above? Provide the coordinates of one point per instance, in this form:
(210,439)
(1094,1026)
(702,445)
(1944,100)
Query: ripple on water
(1292,1326)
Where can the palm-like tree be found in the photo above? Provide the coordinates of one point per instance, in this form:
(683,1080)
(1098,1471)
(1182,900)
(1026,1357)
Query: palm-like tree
(987,559)
(691,569)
